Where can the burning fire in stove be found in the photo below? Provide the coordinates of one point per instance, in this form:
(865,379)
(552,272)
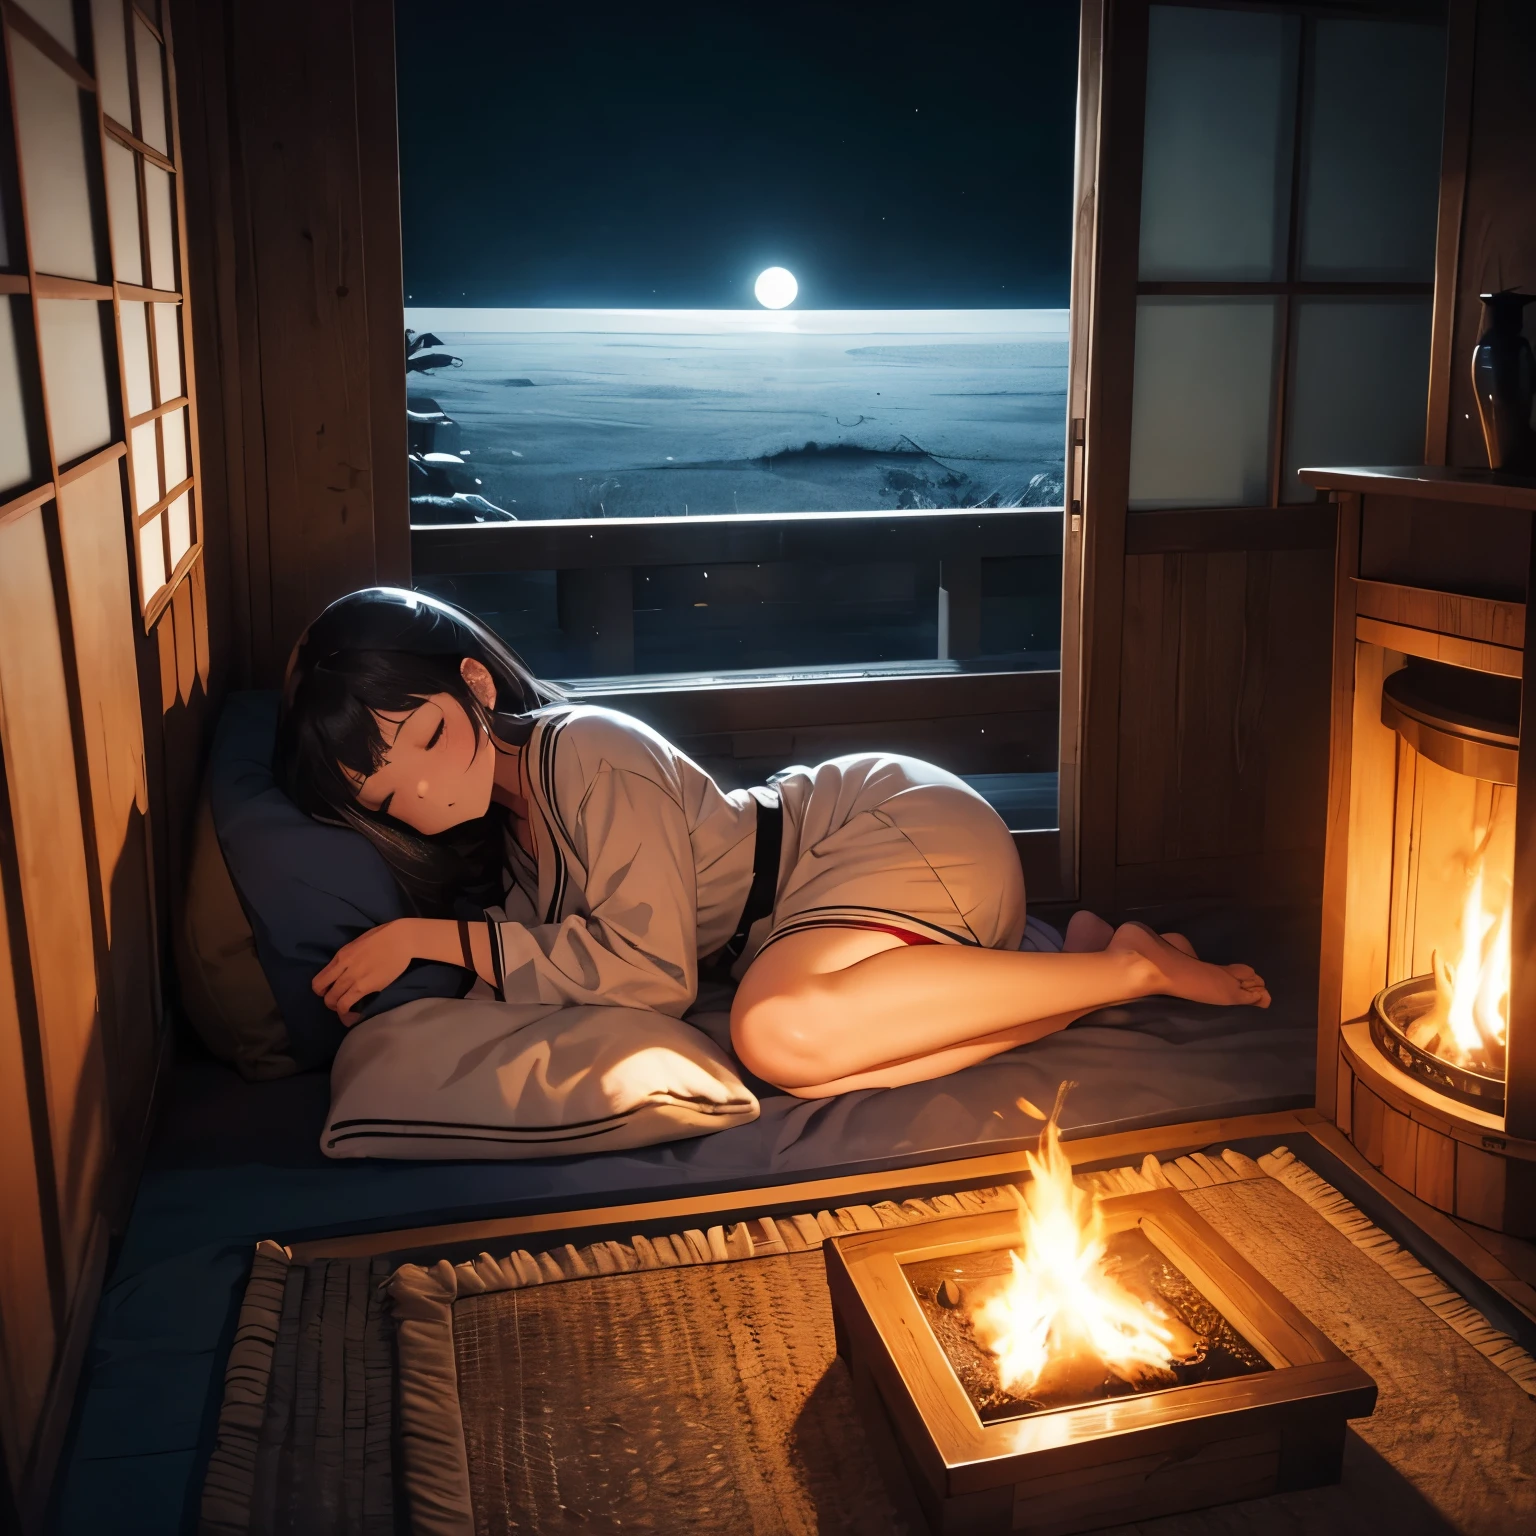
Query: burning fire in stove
(1063,1312)
(1467,1022)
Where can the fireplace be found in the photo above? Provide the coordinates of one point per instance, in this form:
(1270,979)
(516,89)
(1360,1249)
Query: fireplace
(1258,1406)
(1443,1016)
(1427,1023)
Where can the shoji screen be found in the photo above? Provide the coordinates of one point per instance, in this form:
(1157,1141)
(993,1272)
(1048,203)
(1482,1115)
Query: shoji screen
(1264,285)
(98,538)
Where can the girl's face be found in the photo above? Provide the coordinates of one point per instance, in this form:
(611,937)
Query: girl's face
(439,767)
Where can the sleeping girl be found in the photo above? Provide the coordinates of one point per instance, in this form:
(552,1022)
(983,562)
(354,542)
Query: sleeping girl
(870,909)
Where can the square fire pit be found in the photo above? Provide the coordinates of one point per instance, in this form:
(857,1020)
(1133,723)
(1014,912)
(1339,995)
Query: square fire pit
(1261,1411)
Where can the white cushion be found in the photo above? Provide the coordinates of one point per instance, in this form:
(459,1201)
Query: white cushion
(475,1078)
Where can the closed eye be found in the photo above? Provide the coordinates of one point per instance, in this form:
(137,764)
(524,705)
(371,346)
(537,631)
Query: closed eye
(385,803)
(436,735)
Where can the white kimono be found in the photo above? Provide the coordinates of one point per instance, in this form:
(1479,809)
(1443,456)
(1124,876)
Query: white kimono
(644,863)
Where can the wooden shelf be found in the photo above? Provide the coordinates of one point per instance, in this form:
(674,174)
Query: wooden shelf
(1429,482)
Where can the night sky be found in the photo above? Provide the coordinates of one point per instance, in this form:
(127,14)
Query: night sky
(894,155)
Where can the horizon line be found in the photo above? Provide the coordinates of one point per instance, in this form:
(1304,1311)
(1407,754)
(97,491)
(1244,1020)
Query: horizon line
(812,322)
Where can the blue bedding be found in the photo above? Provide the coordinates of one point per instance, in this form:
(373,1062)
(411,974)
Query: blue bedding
(234,1162)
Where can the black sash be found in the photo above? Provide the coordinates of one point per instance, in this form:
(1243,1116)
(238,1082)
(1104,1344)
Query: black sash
(765,880)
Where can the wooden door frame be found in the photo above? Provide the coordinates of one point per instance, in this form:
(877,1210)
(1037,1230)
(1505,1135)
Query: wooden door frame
(1104,322)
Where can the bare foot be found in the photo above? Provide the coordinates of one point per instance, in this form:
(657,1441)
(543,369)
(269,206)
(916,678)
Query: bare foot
(1181,944)
(1181,975)
(1087,933)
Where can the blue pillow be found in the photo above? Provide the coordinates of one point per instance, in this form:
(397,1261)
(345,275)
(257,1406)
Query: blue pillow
(307,888)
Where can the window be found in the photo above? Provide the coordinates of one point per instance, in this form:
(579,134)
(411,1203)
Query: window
(1290,186)
(779,522)
(91,344)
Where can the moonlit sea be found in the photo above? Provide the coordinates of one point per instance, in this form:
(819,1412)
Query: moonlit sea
(647,413)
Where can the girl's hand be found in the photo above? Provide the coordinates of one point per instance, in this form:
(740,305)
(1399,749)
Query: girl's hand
(368,964)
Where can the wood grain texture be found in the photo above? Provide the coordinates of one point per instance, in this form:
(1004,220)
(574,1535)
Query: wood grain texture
(1498,623)
(1367,882)
(1434,1169)
(1074,611)
(1224,706)
(1399,1147)
(1498,241)
(55,887)
(1475,655)
(1520,1057)
(1332,957)
(1370,1115)
(1344,1100)
(1110,309)
(1229,528)
(1480,1178)
(1409,541)
(28,1333)
(92,521)
(1461,48)
(296,249)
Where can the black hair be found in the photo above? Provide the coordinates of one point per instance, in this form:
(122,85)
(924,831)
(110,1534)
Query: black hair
(381,650)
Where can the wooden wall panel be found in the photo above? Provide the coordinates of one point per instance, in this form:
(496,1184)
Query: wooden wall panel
(28,1338)
(1498,221)
(55,888)
(1224,697)
(92,524)
(293,237)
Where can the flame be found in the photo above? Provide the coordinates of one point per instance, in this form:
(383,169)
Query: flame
(1059,1302)
(1475,989)
(1469,1018)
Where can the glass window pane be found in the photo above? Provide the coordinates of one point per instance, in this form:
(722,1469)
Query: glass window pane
(55,163)
(151,559)
(1202,402)
(162,227)
(135,356)
(79,401)
(56,16)
(1371,184)
(123,214)
(179,525)
(173,443)
(111,60)
(168,350)
(15,445)
(1216,166)
(151,70)
(145,464)
(1359,385)
(594,413)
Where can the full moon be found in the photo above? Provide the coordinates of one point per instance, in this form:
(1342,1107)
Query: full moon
(776,287)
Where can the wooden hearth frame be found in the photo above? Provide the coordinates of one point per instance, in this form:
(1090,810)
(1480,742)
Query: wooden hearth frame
(1131,1457)
(1457,1159)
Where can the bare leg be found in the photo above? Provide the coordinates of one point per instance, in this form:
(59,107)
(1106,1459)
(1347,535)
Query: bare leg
(1087,933)
(829,1006)
(919,1069)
